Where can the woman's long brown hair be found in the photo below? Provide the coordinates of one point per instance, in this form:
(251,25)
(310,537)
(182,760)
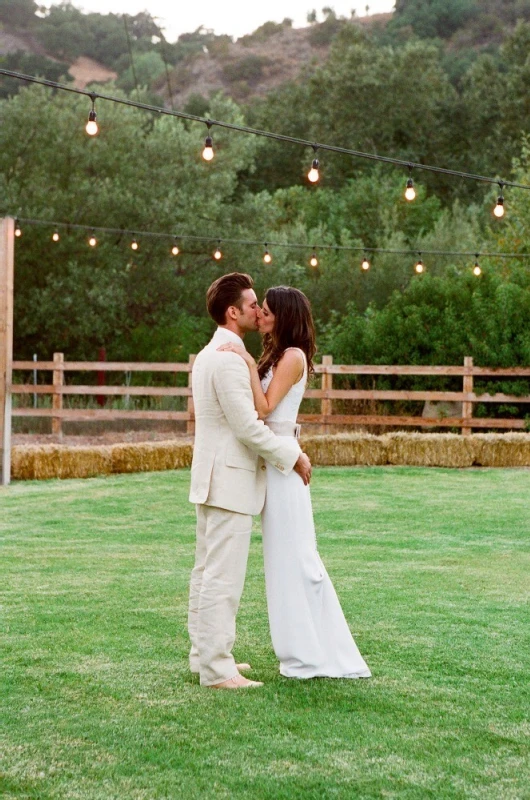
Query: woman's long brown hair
(293,327)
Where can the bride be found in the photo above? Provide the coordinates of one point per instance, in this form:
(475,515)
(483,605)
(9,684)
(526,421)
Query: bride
(310,635)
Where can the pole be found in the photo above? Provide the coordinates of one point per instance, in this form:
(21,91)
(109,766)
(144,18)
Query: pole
(7,260)
(35,382)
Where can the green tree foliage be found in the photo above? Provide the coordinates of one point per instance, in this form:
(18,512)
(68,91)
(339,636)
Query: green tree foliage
(434,18)
(147,68)
(68,33)
(18,13)
(145,172)
(29,64)
(138,173)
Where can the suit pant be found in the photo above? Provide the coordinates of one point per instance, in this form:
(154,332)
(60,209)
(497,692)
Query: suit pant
(217,580)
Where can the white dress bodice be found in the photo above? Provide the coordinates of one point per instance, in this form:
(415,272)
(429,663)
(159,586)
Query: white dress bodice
(287,408)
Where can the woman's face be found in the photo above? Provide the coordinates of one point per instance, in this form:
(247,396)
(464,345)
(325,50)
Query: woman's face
(265,319)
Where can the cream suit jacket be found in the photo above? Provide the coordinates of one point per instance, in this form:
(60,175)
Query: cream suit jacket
(227,470)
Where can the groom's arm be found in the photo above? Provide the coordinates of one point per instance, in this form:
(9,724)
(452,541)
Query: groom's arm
(232,384)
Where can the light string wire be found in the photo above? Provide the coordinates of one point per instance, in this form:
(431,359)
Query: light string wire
(267,242)
(411,165)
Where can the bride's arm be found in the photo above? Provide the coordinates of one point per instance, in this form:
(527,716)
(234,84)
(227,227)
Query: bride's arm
(288,371)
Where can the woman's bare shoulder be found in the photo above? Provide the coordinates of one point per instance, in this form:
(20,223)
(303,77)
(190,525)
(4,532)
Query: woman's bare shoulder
(292,360)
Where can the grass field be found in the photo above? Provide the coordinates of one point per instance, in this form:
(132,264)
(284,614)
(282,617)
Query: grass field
(431,566)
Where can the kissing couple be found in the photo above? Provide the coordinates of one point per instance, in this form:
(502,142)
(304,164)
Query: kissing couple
(247,461)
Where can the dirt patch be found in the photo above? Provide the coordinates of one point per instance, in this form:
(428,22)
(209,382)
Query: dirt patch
(110,437)
(85,71)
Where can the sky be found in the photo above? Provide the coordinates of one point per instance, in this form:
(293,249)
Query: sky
(234,17)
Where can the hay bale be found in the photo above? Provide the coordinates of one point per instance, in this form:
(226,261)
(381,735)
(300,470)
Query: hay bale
(345,449)
(502,449)
(151,456)
(429,449)
(43,462)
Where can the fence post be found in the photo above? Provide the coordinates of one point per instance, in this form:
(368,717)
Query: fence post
(57,397)
(327,384)
(190,425)
(7,258)
(467,407)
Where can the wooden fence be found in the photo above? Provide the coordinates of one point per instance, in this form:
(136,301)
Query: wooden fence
(58,389)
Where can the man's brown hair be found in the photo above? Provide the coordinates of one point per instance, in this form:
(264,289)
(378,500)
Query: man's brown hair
(226,291)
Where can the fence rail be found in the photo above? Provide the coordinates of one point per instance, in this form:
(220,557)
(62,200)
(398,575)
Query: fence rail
(58,389)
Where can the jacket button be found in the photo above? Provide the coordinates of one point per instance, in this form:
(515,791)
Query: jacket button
(263,467)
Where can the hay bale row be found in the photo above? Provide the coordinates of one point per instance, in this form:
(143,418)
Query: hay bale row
(41,462)
(420,449)
(346,449)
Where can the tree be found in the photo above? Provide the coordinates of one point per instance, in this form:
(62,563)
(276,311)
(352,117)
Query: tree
(434,18)
(147,68)
(139,173)
(18,13)
(387,100)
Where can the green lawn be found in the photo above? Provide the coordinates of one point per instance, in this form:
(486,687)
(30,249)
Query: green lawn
(431,566)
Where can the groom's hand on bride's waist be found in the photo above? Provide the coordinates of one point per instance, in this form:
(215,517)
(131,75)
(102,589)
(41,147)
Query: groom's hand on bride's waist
(303,468)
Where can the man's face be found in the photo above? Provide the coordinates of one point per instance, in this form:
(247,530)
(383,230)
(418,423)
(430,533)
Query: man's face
(247,315)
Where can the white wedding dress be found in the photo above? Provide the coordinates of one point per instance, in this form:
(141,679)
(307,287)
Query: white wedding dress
(310,635)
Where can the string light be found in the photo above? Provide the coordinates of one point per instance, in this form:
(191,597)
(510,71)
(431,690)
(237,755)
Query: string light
(92,241)
(92,126)
(410,191)
(134,244)
(255,132)
(208,153)
(55,235)
(476,269)
(217,252)
(314,260)
(499,209)
(266,255)
(313,175)
(365,264)
(419,267)
(175,249)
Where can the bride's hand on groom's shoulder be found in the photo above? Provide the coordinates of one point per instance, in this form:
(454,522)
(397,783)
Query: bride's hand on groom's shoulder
(232,347)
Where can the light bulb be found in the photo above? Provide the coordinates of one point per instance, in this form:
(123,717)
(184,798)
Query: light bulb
(365,265)
(499,208)
(314,260)
(18,230)
(175,250)
(55,236)
(92,241)
(476,270)
(419,267)
(208,153)
(217,254)
(92,126)
(267,257)
(313,174)
(410,191)
(134,244)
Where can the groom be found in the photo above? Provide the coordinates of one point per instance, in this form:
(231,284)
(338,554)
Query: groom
(227,481)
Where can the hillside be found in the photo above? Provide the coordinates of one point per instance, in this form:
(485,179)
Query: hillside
(258,63)
(250,66)
(89,47)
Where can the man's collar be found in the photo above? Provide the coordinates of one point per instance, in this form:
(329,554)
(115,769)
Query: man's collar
(228,336)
